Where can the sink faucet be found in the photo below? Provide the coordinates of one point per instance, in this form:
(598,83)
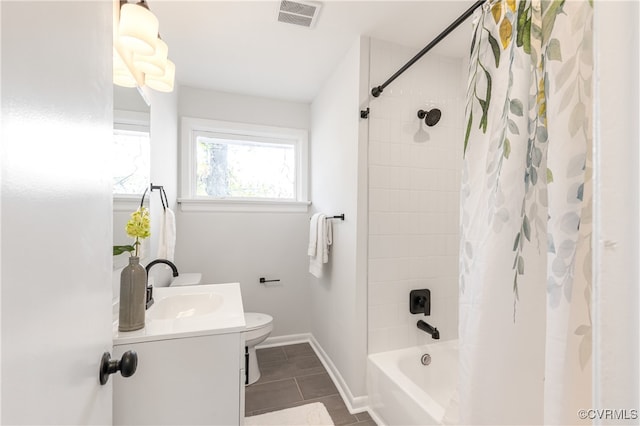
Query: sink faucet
(166,262)
(173,267)
(433,331)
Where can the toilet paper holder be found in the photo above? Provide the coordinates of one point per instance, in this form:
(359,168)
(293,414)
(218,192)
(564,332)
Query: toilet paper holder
(264,280)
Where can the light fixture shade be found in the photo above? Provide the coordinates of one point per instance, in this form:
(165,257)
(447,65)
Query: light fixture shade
(153,64)
(121,74)
(138,29)
(162,83)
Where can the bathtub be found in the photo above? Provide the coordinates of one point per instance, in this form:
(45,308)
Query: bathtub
(403,391)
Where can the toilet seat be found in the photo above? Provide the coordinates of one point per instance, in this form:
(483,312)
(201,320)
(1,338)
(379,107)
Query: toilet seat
(254,320)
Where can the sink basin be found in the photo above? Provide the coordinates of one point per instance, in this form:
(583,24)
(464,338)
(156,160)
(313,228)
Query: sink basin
(179,306)
(188,311)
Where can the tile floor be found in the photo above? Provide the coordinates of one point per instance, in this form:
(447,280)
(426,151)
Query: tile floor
(293,375)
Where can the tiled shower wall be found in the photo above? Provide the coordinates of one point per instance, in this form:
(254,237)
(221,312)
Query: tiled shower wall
(414,180)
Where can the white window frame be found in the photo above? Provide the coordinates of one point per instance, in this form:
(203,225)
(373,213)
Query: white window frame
(192,127)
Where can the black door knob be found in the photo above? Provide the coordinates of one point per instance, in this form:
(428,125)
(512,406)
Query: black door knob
(126,366)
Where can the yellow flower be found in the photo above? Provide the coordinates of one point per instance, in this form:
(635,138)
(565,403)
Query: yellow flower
(139,226)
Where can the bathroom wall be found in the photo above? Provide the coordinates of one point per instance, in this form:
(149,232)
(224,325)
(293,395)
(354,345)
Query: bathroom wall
(244,246)
(414,179)
(338,159)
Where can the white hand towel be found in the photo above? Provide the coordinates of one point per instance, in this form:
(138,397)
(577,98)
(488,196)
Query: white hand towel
(316,232)
(313,234)
(327,240)
(320,238)
(167,238)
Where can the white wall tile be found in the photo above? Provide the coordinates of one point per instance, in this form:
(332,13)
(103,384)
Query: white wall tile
(378,152)
(379,177)
(384,316)
(380,127)
(395,155)
(378,200)
(414,180)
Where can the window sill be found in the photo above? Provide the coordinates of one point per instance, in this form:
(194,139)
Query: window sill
(127,203)
(199,205)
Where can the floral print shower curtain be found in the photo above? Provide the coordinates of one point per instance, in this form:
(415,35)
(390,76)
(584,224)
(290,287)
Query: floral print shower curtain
(525,255)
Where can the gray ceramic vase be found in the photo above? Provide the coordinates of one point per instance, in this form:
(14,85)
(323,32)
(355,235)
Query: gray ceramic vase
(133,289)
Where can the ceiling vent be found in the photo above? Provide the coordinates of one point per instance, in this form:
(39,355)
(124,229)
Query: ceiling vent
(301,13)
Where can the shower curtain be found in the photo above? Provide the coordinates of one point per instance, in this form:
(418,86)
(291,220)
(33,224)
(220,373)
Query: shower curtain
(525,255)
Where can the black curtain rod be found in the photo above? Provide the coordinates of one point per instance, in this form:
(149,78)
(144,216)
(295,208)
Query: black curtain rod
(376,91)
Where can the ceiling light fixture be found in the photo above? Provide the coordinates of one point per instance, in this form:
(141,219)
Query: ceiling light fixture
(140,57)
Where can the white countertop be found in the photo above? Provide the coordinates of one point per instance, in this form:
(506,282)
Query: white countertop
(228,318)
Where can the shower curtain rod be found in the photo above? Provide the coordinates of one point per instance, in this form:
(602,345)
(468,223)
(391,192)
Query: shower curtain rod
(376,91)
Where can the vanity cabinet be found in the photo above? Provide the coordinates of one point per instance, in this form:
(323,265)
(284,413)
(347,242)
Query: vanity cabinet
(190,359)
(191,380)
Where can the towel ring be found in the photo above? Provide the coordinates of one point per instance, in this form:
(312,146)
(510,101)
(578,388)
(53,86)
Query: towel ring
(164,201)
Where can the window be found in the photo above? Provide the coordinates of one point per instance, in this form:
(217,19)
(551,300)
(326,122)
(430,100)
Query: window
(244,168)
(131,153)
(130,161)
(236,166)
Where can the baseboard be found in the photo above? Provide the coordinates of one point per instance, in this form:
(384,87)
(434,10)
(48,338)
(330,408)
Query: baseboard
(376,418)
(354,404)
(290,339)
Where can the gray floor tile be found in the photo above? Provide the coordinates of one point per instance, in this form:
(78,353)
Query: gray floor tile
(298,350)
(276,408)
(316,386)
(301,366)
(342,417)
(271,394)
(270,354)
(365,423)
(337,410)
(279,367)
(363,417)
(334,405)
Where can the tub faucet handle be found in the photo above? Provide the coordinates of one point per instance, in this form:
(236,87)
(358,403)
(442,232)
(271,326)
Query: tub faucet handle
(420,301)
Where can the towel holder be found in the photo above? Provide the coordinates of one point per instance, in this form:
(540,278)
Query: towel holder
(339,216)
(150,188)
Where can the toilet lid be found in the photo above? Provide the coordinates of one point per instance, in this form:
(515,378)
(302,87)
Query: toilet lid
(255,320)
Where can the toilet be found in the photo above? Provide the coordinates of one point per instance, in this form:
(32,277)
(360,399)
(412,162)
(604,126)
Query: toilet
(257,329)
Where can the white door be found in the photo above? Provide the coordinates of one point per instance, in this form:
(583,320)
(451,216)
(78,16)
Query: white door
(55,211)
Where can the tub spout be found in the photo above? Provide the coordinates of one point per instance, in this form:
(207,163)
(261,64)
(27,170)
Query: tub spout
(433,331)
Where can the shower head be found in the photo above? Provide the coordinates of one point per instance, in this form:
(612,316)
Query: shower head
(431,117)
